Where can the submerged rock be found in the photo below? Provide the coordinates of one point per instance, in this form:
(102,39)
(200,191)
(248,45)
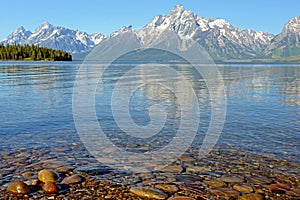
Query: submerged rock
(148,192)
(74,179)
(50,188)
(170,188)
(215,183)
(180,198)
(19,187)
(251,197)
(259,180)
(243,188)
(92,170)
(47,176)
(231,179)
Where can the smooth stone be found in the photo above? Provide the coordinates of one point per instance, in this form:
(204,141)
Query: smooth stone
(283,185)
(50,188)
(148,192)
(296,190)
(74,179)
(170,168)
(231,179)
(251,197)
(28,175)
(47,176)
(186,158)
(64,169)
(217,192)
(215,183)
(88,170)
(195,169)
(170,188)
(19,187)
(128,180)
(54,164)
(275,188)
(259,180)
(188,178)
(292,193)
(243,188)
(180,198)
(231,193)
(213,174)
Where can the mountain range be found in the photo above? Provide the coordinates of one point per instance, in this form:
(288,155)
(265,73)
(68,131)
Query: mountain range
(217,36)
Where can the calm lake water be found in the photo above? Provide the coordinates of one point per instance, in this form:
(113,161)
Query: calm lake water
(263,107)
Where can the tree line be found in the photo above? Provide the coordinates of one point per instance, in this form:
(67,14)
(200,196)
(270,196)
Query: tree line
(32,52)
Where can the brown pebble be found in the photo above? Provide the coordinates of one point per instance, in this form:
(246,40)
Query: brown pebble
(74,179)
(47,176)
(180,198)
(28,175)
(167,188)
(243,188)
(50,188)
(276,188)
(19,187)
(215,183)
(64,169)
(251,197)
(148,192)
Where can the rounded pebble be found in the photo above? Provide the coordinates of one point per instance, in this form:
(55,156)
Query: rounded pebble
(47,176)
(19,187)
(50,188)
(74,179)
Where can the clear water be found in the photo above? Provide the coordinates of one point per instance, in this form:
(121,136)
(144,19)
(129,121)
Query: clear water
(263,107)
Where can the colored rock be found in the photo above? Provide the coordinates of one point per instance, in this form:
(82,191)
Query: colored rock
(170,188)
(231,179)
(74,179)
(170,168)
(276,188)
(215,183)
(180,198)
(251,197)
(19,187)
(148,192)
(47,176)
(88,170)
(188,178)
(243,188)
(259,180)
(50,188)
(28,175)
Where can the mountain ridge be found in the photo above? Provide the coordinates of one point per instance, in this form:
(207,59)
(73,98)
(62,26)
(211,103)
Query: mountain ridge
(217,36)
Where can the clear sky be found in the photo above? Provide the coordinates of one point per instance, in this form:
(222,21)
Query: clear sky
(107,16)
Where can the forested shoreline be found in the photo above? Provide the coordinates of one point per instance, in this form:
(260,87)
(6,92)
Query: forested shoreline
(32,53)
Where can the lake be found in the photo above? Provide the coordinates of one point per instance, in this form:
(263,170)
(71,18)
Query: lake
(262,110)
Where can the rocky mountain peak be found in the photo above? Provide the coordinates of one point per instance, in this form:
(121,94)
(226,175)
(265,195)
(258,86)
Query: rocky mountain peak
(293,25)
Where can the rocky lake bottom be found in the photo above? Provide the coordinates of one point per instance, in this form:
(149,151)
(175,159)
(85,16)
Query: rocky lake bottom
(226,173)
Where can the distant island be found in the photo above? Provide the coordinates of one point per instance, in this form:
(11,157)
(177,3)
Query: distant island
(32,53)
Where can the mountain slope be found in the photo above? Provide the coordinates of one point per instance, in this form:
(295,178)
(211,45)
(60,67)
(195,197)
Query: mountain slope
(55,37)
(217,36)
(287,43)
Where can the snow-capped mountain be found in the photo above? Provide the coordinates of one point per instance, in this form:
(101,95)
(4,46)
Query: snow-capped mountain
(55,37)
(19,36)
(287,43)
(217,36)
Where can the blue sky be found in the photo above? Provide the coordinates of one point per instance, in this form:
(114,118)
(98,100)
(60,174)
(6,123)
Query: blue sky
(107,16)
